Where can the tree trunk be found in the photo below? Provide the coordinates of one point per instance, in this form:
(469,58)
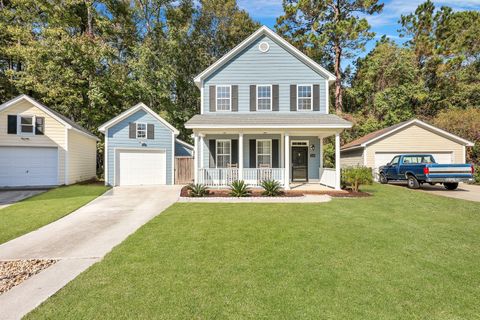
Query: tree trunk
(338,81)
(88,4)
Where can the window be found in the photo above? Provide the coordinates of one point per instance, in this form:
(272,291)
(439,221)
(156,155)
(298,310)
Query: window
(418,159)
(27,124)
(395,160)
(304,97)
(223,98)
(141,130)
(264,97)
(264,153)
(223,152)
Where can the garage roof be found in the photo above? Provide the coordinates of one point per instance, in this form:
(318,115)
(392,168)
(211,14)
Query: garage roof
(377,135)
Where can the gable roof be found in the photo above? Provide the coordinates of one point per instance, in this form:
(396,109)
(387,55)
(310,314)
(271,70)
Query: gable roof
(264,30)
(377,135)
(131,111)
(70,124)
(185,144)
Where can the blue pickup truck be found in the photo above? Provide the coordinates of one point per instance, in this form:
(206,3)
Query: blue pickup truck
(417,169)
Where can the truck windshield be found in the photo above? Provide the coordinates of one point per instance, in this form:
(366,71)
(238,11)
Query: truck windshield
(418,159)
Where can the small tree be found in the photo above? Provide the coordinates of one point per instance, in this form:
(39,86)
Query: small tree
(356,176)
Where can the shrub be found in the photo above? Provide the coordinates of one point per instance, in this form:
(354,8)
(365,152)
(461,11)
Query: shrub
(271,188)
(239,189)
(197,190)
(356,176)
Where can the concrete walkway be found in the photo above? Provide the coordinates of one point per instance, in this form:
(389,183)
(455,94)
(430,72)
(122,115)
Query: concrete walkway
(78,241)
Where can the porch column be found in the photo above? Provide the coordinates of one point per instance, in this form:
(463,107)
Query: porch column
(201,150)
(337,161)
(320,169)
(287,161)
(240,156)
(196,157)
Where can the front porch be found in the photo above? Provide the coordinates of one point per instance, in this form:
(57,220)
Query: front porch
(292,158)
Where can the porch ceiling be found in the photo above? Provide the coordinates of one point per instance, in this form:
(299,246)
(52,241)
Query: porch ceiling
(290,120)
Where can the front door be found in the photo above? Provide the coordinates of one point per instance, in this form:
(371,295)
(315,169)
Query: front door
(299,163)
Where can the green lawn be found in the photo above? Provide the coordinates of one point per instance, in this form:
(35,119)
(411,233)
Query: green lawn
(39,210)
(401,254)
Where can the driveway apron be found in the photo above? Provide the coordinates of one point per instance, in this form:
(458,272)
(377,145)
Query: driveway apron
(78,240)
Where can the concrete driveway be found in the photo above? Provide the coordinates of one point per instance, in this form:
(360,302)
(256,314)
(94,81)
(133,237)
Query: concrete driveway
(9,197)
(465,191)
(79,240)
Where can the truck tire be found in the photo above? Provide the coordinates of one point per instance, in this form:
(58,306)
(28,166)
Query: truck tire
(383,178)
(451,185)
(412,182)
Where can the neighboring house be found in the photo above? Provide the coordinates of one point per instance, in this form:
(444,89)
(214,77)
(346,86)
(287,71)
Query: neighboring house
(183,149)
(414,136)
(40,147)
(264,115)
(140,148)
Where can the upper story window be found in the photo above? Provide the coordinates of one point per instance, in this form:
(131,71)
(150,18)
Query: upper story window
(264,153)
(141,130)
(224,98)
(224,153)
(27,124)
(264,97)
(304,97)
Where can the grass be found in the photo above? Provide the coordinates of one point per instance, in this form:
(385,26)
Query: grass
(37,211)
(401,254)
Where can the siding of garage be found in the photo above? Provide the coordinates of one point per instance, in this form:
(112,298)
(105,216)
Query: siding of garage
(414,139)
(351,158)
(118,137)
(54,133)
(82,157)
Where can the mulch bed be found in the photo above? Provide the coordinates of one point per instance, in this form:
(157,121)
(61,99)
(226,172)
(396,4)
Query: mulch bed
(12,273)
(224,193)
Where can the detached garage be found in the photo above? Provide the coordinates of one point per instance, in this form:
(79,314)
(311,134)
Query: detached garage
(40,147)
(414,136)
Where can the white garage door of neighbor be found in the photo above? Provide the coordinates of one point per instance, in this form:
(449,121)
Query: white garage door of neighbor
(382,159)
(141,167)
(28,166)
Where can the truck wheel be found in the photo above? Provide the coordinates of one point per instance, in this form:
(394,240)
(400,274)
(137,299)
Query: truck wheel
(383,178)
(451,185)
(412,182)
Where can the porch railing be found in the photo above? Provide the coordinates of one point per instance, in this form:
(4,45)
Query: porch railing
(327,177)
(222,177)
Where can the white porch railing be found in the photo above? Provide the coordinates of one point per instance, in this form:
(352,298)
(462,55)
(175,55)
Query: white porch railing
(327,177)
(222,177)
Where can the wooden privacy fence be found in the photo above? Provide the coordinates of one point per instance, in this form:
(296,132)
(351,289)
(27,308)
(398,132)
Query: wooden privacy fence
(184,170)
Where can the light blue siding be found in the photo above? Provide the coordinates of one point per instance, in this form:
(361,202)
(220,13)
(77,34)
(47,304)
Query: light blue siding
(313,156)
(277,66)
(118,137)
(182,151)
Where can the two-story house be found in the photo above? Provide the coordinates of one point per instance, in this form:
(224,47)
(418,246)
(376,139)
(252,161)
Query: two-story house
(264,115)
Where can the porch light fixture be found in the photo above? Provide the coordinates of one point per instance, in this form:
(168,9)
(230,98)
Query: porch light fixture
(312,147)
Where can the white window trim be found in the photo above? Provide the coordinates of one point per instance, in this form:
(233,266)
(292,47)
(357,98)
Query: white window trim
(311,98)
(19,124)
(136,130)
(271,97)
(223,154)
(216,98)
(256,151)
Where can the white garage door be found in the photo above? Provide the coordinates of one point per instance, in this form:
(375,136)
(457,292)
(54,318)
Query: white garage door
(382,158)
(28,166)
(141,167)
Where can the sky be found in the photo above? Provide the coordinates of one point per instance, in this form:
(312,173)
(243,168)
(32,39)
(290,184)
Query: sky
(385,23)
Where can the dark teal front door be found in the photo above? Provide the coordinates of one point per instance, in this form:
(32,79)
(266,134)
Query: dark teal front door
(299,164)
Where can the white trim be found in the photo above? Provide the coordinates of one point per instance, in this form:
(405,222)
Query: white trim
(185,144)
(216,150)
(105,159)
(229,99)
(240,156)
(256,151)
(287,161)
(195,158)
(131,111)
(311,96)
(66,158)
(271,97)
(45,109)
(201,97)
(19,125)
(464,154)
(420,123)
(264,30)
(262,126)
(136,130)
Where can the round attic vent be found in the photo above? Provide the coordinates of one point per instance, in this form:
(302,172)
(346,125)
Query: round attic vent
(263,46)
